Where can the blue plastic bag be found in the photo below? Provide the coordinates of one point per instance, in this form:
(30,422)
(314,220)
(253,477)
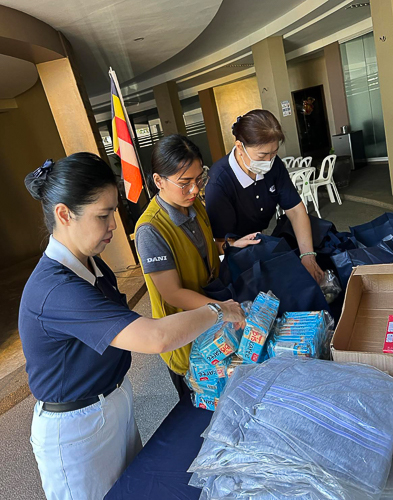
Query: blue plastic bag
(345,261)
(238,260)
(285,276)
(371,233)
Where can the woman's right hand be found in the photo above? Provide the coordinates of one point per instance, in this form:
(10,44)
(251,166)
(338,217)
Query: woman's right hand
(233,313)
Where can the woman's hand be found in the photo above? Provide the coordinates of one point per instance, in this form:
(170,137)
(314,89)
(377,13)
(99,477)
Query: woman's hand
(245,241)
(233,313)
(312,267)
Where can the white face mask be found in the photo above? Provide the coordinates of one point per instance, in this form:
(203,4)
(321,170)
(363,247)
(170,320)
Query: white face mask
(258,167)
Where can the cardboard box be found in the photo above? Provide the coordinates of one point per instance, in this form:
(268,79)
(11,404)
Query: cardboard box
(361,330)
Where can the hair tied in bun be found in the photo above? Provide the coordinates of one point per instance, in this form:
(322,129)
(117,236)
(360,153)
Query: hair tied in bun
(35,180)
(236,122)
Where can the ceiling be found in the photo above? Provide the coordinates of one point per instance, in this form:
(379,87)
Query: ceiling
(195,43)
(102,32)
(19,76)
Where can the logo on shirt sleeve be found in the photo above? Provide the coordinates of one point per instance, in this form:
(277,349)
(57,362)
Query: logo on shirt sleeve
(272,189)
(156,259)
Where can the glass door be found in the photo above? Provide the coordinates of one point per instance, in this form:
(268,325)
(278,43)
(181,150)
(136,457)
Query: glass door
(363,95)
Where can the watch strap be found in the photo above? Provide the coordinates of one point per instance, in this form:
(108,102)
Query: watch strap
(217,309)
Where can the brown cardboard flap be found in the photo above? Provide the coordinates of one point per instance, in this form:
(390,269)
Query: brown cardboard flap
(353,295)
(373,269)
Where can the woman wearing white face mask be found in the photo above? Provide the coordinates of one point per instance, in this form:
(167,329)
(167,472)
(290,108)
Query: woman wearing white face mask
(246,186)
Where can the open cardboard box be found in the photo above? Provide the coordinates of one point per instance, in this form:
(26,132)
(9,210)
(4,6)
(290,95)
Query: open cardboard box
(361,330)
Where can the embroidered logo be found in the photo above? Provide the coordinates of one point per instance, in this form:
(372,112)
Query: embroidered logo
(156,259)
(272,189)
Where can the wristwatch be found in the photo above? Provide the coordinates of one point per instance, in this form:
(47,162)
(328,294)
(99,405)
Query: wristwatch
(217,309)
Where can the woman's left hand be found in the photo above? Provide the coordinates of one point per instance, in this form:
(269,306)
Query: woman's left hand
(312,267)
(245,241)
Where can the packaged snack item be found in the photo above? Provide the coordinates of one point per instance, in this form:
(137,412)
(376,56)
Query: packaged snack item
(205,400)
(201,371)
(259,322)
(217,343)
(388,345)
(302,334)
(215,388)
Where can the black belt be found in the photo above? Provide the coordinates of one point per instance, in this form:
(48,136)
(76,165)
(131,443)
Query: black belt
(77,405)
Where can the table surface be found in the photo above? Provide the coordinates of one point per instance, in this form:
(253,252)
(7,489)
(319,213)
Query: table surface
(159,470)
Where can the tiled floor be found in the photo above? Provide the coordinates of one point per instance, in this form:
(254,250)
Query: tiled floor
(371,182)
(12,281)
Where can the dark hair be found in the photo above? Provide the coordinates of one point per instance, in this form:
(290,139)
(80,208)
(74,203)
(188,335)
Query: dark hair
(257,127)
(75,181)
(171,155)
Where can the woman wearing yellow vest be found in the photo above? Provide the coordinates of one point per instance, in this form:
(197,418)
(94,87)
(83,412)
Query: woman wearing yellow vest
(174,240)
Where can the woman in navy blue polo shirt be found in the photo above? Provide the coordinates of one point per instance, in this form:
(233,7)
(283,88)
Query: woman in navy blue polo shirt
(246,186)
(77,333)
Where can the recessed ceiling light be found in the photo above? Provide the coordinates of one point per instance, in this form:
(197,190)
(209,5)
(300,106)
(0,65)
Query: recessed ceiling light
(139,39)
(357,5)
(248,65)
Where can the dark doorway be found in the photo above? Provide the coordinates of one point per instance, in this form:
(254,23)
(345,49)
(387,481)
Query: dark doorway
(311,121)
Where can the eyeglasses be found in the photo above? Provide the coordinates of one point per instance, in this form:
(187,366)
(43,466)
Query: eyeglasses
(190,186)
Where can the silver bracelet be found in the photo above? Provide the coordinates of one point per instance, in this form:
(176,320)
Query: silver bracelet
(307,253)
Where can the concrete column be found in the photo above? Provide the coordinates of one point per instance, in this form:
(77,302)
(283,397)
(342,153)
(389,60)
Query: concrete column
(382,17)
(212,123)
(272,75)
(169,108)
(335,76)
(79,132)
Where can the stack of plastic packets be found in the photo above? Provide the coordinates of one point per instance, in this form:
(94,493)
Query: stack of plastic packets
(209,359)
(259,322)
(301,334)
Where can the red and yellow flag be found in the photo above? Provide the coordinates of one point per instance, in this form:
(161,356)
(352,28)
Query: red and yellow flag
(124,148)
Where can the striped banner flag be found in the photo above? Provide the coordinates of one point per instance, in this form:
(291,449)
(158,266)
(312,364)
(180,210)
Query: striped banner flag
(123,146)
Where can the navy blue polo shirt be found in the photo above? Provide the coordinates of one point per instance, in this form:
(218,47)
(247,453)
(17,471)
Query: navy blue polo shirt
(67,319)
(237,204)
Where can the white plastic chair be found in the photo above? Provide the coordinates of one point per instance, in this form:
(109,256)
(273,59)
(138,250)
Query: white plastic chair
(302,182)
(296,162)
(306,162)
(326,179)
(288,161)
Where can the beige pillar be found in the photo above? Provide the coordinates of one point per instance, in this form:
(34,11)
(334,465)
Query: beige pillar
(169,108)
(335,76)
(212,123)
(272,75)
(78,132)
(382,17)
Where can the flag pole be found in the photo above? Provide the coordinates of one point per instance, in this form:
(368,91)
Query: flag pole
(112,75)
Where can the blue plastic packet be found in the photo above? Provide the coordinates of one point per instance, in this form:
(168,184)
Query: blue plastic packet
(259,322)
(217,343)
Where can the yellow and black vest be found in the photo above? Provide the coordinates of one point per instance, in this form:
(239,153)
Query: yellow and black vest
(190,266)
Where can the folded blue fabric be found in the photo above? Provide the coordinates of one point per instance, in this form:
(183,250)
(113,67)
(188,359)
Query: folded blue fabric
(292,428)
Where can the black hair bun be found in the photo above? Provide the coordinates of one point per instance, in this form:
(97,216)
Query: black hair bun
(34,186)
(35,181)
(234,126)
